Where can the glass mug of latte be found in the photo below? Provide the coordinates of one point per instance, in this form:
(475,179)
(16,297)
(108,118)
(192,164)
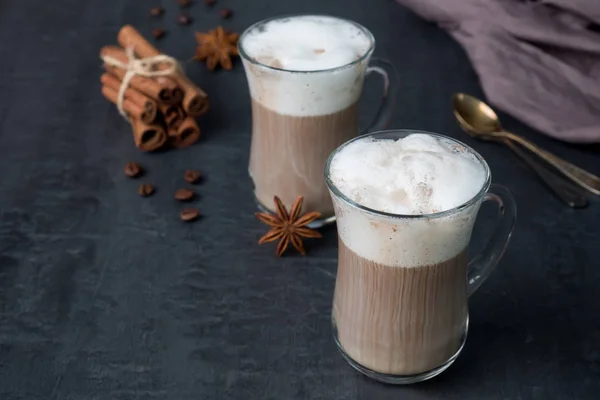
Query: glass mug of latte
(305,75)
(405,203)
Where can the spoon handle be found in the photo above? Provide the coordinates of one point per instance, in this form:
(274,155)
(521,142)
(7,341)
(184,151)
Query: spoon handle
(564,189)
(580,176)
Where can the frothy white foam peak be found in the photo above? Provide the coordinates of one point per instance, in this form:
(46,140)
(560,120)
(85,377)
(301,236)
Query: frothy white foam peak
(419,174)
(306,43)
(314,43)
(415,175)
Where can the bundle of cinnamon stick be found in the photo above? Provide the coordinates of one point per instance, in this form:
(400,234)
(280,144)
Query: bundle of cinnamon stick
(161,109)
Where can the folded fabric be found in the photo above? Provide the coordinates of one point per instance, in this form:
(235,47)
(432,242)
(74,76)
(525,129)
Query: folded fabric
(538,61)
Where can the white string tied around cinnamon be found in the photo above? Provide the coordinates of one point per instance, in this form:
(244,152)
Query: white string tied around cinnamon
(146,67)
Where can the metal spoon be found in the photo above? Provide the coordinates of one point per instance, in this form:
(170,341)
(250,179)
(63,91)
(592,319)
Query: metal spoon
(480,121)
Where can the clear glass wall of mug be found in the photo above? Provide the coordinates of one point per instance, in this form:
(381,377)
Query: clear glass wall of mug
(305,75)
(400,312)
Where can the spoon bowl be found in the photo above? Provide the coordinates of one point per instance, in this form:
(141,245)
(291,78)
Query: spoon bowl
(475,117)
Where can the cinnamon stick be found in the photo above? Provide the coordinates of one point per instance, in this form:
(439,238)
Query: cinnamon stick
(148,106)
(195,100)
(132,109)
(129,37)
(164,90)
(172,115)
(147,137)
(176,92)
(186,135)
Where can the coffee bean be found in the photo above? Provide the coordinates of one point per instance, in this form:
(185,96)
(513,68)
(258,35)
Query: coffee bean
(158,33)
(184,3)
(210,3)
(145,190)
(157,11)
(184,194)
(133,170)
(192,176)
(226,13)
(184,19)
(189,214)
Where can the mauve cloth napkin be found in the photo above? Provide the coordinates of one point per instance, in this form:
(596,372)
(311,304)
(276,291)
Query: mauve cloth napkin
(537,60)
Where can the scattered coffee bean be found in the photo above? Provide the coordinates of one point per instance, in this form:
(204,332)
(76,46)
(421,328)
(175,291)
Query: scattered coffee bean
(157,11)
(184,194)
(189,214)
(184,3)
(192,176)
(210,3)
(184,19)
(158,33)
(226,13)
(145,190)
(133,170)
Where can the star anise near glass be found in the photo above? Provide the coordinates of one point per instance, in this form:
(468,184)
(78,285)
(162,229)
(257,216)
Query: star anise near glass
(288,227)
(216,47)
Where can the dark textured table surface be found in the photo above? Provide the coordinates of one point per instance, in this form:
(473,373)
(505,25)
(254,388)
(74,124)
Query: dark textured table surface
(104,295)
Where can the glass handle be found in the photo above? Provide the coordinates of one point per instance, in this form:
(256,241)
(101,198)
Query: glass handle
(390,93)
(483,264)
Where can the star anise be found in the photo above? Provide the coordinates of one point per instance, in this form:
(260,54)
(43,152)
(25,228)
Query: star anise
(288,228)
(216,47)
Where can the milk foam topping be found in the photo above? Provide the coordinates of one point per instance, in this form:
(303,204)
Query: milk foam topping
(306,44)
(419,174)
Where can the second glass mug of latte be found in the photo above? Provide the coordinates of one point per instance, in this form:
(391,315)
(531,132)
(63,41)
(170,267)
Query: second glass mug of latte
(305,75)
(400,312)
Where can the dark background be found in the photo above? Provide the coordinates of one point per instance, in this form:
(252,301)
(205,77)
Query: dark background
(104,295)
